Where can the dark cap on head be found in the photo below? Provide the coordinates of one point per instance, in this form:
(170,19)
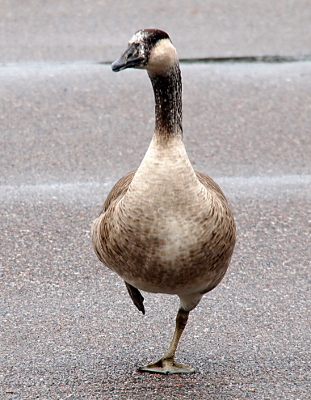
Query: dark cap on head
(139,48)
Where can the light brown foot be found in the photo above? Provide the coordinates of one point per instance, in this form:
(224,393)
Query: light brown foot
(166,366)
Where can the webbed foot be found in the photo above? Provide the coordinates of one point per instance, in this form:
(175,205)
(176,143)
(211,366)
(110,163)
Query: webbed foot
(167,366)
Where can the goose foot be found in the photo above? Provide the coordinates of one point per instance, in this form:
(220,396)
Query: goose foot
(166,366)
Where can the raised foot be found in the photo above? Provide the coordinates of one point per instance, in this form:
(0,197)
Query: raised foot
(165,366)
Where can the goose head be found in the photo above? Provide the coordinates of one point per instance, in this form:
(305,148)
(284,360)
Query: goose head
(149,49)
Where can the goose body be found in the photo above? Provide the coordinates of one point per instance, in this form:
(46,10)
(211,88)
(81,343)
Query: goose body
(165,228)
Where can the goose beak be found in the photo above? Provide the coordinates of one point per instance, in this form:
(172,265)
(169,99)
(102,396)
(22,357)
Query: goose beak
(129,59)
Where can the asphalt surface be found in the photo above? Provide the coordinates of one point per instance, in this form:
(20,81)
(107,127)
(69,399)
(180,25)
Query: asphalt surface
(96,30)
(70,128)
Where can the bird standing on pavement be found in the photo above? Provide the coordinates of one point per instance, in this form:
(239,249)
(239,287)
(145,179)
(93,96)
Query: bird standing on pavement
(165,228)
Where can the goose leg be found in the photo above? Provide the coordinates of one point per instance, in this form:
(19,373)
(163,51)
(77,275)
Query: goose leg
(167,364)
(136,296)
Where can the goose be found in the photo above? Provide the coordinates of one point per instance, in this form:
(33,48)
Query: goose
(164,228)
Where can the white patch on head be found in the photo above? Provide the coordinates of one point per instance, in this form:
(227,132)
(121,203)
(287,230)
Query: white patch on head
(162,57)
(138,37)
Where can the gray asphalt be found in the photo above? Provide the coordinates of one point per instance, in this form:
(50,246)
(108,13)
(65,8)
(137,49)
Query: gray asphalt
(70,128)
(96,30)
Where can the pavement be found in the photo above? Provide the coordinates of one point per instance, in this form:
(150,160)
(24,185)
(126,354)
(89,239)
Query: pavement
(70,128)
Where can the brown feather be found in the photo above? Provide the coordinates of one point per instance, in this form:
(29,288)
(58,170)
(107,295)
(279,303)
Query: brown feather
(119,189)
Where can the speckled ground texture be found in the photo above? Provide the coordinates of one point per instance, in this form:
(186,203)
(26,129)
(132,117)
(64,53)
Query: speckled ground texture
(70,128)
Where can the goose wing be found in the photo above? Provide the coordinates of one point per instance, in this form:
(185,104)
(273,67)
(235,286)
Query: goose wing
(117,192)
(119,189)
(210,184)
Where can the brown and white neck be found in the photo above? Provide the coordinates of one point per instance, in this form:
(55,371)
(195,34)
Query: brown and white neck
(164,73)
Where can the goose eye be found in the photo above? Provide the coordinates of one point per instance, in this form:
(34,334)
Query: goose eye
(133,50)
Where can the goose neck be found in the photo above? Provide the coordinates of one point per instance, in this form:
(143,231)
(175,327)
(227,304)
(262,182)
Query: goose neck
(168,103)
